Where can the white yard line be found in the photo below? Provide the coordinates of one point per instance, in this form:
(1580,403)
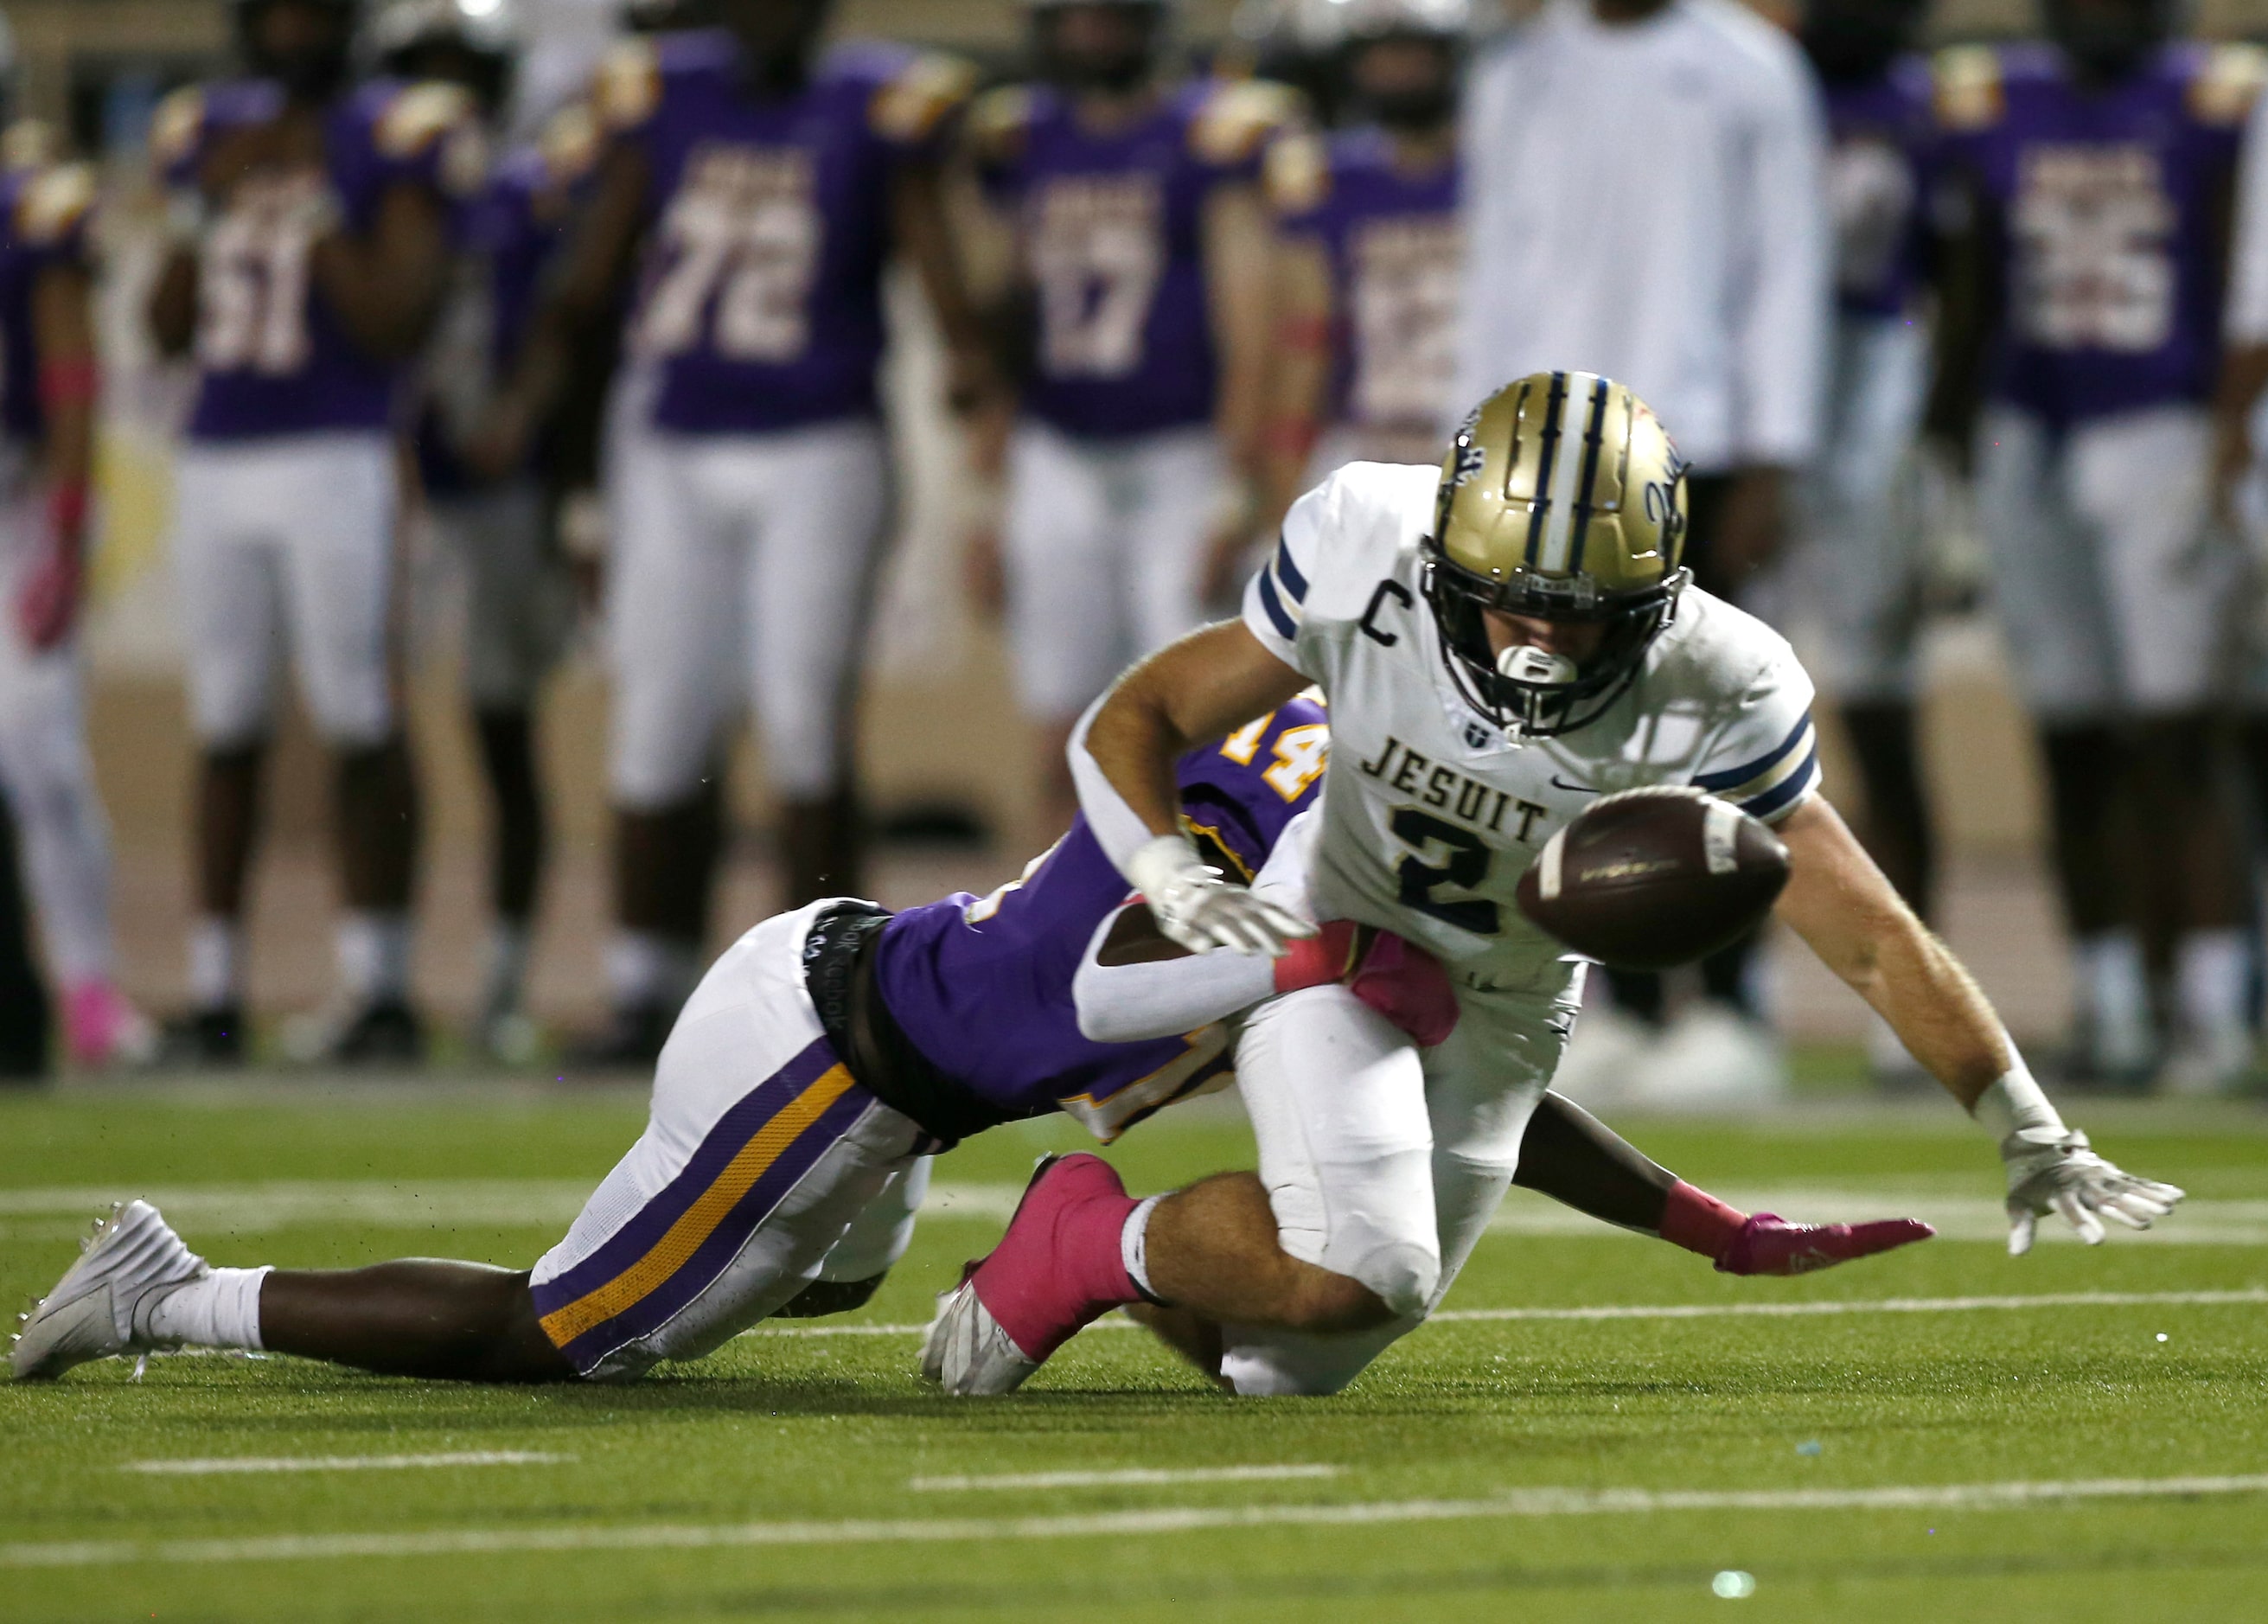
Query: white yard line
(1517,1502)
(1131,1477)
(1710,1311)
(222,1465)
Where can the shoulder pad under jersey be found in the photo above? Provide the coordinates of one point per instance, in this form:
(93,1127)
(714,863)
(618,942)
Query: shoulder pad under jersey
(1235,117)
(999,123)
(1969,87)
(413,119)
(1297,174)
(54,202)
(2227,82)
(910,104)
(177,126)
(570,144)
(628,86)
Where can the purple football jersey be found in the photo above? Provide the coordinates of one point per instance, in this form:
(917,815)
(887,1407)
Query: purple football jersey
(1880,175)
(1109,235)
(45,213)
(272,357)
(1390,237)
(2112,295)
(510,231)
(760,292)
(982,986)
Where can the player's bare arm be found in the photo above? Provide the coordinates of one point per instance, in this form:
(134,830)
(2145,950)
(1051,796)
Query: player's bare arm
(171,311)
(62,333)
(1299,375)
(1239,291)
(385,284)
(1967,266)
(925,228)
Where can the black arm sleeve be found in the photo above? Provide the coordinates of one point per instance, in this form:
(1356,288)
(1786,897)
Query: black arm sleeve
(1576,1160)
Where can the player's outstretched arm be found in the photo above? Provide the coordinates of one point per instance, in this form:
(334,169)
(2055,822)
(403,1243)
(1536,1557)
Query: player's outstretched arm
(1839,901)
(1122,757)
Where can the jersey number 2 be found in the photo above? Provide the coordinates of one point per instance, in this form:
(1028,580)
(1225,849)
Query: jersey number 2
(1465,865)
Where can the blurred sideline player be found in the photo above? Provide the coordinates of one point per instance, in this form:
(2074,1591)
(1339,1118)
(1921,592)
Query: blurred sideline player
(520,601)
(317,241)
(1853,577)
(48,384)
(2082,310)
(1647,200)
(822,1062)
(1368,238)
(1138,295)
(755,187)
(1501,639)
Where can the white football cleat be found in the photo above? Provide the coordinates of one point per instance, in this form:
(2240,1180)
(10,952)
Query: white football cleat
(90,1313)
(967,1353)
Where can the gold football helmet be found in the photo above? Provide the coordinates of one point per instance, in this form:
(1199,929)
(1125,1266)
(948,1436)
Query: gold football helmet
(1561,498)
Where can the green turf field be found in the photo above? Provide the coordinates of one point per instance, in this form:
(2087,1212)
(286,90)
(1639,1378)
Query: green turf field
(1548,1465)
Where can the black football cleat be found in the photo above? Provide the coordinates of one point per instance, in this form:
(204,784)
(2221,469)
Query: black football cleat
(386,1032)
(203,1037)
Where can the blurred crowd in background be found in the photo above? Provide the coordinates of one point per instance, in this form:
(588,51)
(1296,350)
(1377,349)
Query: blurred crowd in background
(639,314)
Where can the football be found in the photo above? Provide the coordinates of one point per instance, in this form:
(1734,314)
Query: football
(1650,878)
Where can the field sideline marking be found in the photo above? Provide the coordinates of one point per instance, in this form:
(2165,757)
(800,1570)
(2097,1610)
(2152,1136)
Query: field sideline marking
(220,1465)
(1131,1477)
(1515,1502)
(1708,1310)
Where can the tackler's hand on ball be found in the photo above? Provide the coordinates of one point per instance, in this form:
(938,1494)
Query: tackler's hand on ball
(2053,1169)
(1196,908)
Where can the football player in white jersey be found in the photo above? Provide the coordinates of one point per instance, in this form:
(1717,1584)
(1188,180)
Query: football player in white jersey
(1502,640)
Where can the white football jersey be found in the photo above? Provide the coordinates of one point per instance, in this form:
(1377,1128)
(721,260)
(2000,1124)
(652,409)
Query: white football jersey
(1432,814)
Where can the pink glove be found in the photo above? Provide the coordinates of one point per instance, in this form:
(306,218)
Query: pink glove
(1767,1243)
(1404,983)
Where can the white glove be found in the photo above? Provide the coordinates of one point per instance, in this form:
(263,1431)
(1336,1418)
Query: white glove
(1196,908)
(2052,1170)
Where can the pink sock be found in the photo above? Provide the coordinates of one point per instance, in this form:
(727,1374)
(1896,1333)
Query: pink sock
(1699,1221)
(1041,1291)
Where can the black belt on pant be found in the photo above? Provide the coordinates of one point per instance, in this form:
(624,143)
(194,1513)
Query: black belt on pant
(838,969)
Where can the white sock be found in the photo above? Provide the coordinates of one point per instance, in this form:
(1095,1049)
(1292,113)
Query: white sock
(2113,990)
(2212,975)
(507,968)
(217,1309)
(215,951)
(1133,1245)
(373,949)
(643,968)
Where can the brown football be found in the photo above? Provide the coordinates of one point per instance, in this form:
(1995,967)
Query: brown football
(1650,878)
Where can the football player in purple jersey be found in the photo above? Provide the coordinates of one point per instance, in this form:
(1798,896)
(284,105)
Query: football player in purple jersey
(822,1062)
(47,387)
(316,244)
(1854,579)
(1126,209)
(1368,246)
(753,188)
(520,601)
(2078,349)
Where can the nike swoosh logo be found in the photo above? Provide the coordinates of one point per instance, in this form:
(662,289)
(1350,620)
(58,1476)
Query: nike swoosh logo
(1581,789)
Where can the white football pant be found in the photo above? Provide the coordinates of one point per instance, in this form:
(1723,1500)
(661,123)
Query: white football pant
(2115,588)
(1853,583)
(1383,1161)
(46,770)
(743,569)
(287,543)
(1105,544)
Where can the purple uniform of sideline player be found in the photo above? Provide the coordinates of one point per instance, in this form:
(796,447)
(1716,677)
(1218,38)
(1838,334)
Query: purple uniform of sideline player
(753,189)
(317,250)
(813,1073)
(1129,210)
(2085,312)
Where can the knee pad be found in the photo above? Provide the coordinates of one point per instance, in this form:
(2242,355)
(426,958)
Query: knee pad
(1292,1364)
(1401,1274)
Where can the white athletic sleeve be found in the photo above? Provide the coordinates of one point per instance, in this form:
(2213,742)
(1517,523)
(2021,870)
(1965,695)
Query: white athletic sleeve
(2247,315)
(1166,998)
(1780,328)
(1764,759)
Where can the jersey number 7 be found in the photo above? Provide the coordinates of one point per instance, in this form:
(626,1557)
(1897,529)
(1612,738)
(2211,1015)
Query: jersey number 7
(1464,864)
